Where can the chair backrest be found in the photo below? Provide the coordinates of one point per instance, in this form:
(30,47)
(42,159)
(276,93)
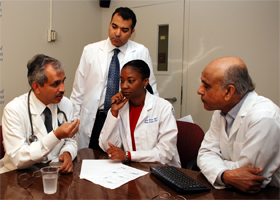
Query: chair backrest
(2,151)
(189,139)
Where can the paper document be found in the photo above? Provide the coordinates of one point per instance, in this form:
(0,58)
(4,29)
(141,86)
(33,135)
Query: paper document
(108,173)
(187,118)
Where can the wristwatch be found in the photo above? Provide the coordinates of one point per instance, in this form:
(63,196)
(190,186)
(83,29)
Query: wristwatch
(126,157)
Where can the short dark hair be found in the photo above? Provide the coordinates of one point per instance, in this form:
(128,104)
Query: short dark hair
(239,77)
(126,14)
(36,68)
(142,68)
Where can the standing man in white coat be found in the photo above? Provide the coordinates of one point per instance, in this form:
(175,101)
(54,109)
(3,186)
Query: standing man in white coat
(241,147)
(90,84)
(32,130)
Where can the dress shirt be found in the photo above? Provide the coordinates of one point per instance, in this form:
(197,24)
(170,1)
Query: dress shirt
(231,115)
(121,55)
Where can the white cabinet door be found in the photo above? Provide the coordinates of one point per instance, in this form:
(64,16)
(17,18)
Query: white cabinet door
(149,18)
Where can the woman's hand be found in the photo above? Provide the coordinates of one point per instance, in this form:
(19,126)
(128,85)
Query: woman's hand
(115,153)
(117,102)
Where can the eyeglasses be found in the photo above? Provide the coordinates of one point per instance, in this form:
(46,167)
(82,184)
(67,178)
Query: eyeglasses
(26,181)
(163,195)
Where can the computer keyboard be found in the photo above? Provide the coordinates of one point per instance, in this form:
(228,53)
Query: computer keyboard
(177,180)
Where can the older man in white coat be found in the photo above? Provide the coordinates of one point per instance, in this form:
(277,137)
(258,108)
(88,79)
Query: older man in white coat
(89,88)
(241,147)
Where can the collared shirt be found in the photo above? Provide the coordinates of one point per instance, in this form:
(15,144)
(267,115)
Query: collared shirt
(110,53)
(231,115)
(41,107)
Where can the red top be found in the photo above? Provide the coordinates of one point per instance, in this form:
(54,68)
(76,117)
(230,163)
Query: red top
(134,114)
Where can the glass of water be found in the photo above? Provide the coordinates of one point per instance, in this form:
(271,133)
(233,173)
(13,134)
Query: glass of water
(50,176)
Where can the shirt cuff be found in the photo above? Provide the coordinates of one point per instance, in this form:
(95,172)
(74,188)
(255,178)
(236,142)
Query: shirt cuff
(49,142)
(219,178)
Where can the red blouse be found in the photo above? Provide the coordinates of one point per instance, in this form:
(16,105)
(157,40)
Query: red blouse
(134,114)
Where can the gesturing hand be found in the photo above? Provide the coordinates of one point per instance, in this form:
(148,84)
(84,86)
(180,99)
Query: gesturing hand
(244,179)
(67,130)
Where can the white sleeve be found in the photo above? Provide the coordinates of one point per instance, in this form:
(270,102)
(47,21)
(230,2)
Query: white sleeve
(70,146)
(21,153)
(261,147)
(79,85)
(210,159)
(110,132)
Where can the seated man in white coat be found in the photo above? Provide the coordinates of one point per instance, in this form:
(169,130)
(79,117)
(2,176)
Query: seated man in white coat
(241,147)
(32,130)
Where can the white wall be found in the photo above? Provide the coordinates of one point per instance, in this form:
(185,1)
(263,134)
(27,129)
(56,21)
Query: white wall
(247,29)
(23,34)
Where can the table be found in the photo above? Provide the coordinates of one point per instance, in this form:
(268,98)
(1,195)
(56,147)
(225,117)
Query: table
(70,186)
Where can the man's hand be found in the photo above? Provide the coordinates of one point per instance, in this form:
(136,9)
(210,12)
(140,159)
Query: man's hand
(245,179)
(67,165)
(67,130)
(115,153)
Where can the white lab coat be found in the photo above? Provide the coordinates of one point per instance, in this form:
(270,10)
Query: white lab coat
(90,79)
(155,132)
(253,141)
(16,131)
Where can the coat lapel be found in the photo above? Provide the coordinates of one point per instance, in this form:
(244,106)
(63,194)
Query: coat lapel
(103,58)
(124,112)
(147,106)
(223,130)
(247,105)
(129,50)
(144,113)
(37,119)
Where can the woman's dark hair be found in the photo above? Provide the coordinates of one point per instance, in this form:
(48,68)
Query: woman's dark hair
(142,68)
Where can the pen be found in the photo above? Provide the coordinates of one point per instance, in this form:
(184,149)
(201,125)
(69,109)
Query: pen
(114,102)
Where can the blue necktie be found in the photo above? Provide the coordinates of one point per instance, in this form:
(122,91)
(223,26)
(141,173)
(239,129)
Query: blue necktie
(48,119)
(113,80)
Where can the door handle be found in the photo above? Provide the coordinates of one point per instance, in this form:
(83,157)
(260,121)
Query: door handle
(174,99)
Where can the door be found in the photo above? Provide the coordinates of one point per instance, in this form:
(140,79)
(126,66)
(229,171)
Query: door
(166,48)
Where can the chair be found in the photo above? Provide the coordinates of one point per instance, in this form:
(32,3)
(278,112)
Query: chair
(2,151)
(189,139)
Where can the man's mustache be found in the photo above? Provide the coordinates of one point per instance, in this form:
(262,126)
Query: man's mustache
(60,94)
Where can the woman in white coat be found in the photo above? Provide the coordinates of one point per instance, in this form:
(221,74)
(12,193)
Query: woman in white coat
(139,127)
